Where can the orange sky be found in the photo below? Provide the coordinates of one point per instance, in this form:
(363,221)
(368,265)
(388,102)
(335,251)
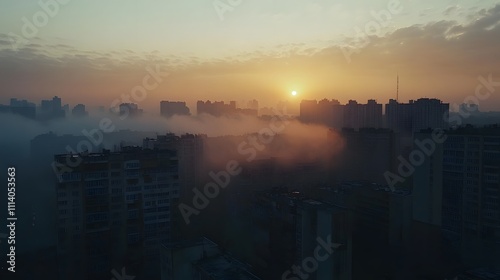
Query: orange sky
(441,59)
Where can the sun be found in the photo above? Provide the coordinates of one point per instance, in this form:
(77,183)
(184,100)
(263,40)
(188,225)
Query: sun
(294,93)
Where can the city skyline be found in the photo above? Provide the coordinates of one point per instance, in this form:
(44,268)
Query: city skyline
(238,139)
(242,106)
(234,57)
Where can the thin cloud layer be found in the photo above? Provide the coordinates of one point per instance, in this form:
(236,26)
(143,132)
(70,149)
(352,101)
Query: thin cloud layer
(429,58)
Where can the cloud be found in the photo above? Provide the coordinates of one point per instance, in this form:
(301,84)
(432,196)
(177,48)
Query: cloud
(451,10)
(426,55)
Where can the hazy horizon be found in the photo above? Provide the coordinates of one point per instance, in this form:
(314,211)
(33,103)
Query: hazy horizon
(252,50)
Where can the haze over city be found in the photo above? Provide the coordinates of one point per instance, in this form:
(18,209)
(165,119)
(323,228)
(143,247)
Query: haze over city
(250,140)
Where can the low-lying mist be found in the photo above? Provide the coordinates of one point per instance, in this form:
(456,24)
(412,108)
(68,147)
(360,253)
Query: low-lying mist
(301,140)
(246,139)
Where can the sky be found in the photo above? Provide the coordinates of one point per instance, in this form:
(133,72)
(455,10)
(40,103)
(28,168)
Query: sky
(93,52)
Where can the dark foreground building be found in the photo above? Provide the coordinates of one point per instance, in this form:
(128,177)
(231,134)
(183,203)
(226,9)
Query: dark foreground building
(114,210)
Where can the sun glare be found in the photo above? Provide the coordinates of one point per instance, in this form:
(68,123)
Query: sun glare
(294,93)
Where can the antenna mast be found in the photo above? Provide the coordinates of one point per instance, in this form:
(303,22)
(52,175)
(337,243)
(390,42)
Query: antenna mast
(397,89)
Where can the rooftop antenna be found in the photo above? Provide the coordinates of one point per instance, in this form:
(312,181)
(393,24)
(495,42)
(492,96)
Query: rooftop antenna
(397,89)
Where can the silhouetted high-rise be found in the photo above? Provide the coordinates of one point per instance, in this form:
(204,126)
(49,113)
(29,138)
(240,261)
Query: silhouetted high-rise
(51,109)
(416,115)
(169,109)
(79,111)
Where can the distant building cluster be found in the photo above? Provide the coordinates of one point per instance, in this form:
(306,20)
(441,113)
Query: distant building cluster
(130,110)
(403,118)
(169,109)
(253,104)
(416,115)
(333,114)
(400,117)
(51,109)
(20,107)
(48,109)
(79,111)
(219,108)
